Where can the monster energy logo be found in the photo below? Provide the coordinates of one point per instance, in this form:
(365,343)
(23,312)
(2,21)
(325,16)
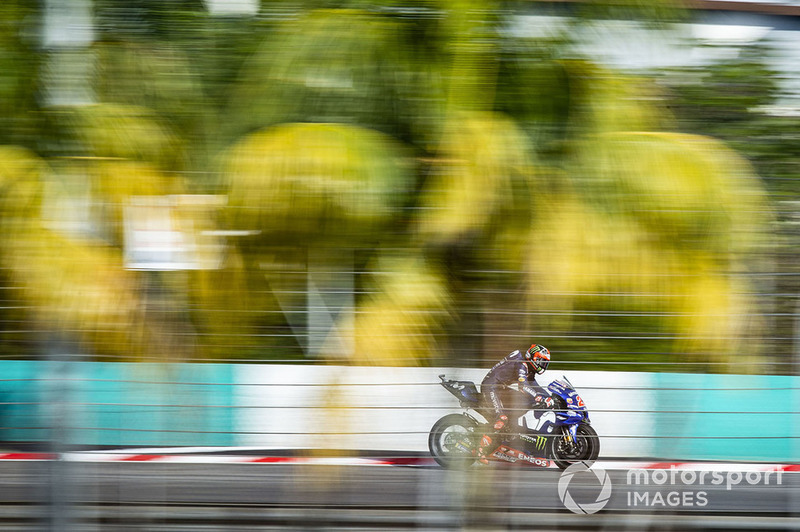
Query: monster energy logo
(539,441)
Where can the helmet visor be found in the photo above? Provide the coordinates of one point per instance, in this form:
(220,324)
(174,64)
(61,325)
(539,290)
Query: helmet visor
(541,364)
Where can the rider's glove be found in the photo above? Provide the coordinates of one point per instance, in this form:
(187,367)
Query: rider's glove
(541,400)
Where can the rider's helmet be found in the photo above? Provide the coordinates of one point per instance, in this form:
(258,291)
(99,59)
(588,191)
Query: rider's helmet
(538,356)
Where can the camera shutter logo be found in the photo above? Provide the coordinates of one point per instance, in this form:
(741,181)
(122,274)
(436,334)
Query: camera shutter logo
(584,508)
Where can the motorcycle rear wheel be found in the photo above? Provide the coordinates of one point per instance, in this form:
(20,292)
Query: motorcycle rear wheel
(453,441)
(586,448)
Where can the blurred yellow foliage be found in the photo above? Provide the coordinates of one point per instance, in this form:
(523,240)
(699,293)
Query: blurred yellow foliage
(74,285)
(399,325)
(482,168)
(125,132)
(693,192)
(633,218)
(606,101)
(659,228)
(315,179)
(21,180)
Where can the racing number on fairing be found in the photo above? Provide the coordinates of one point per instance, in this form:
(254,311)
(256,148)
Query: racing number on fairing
(576,399)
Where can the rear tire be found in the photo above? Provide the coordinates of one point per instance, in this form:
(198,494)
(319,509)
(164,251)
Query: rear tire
(587,448)
(453,441)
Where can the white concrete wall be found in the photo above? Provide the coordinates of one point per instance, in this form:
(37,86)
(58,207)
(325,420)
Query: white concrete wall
(369,408)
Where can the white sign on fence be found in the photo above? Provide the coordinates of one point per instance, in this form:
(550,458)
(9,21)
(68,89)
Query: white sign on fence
(168,233)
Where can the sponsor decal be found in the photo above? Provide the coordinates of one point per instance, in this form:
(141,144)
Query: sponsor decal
(538,441)
(512,455)
(502,454)
(541,462)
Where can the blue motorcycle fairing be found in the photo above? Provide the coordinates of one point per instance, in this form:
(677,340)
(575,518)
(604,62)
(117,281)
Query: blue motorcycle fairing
(576,411)
(568,417)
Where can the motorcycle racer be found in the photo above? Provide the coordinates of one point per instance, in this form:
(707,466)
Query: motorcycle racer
(498,390)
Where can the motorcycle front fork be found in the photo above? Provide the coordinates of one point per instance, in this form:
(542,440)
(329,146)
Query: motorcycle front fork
(570,435)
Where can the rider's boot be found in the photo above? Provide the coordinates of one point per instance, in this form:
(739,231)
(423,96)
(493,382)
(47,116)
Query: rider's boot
(486,441)
(486,445)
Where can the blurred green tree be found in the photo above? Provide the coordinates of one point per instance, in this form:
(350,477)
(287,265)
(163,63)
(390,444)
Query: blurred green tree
(739,100)
(19,66)
(487,189)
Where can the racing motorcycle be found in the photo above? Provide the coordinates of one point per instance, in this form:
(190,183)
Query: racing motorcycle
(561,434)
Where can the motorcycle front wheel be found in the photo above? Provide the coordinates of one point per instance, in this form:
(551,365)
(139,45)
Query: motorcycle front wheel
(585,448)
(453,441)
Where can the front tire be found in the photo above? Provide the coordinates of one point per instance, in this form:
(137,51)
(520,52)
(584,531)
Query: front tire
(586,448)
(453,441)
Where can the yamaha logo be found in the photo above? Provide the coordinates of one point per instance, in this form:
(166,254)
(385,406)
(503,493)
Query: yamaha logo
(603,490)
